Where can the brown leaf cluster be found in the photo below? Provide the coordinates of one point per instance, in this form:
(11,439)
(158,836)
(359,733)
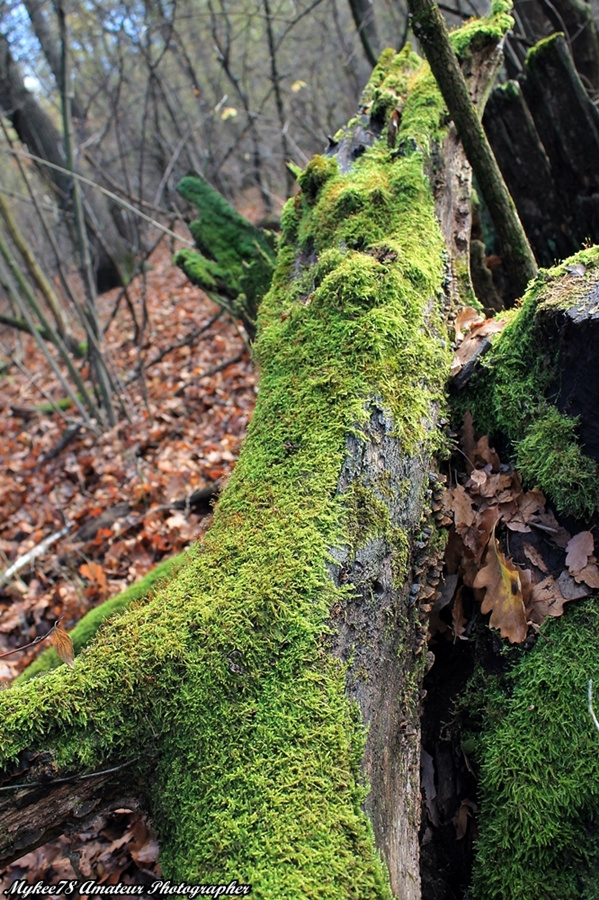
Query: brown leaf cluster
(471,330)
(506,554)
(119,847)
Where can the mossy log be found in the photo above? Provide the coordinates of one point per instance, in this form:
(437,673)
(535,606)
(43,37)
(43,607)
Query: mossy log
(537,387)
(538,752)
(269,693)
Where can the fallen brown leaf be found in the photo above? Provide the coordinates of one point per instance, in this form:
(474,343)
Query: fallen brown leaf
(570,589)
(467,438)
(534,557)
(578,550)
(590,574)
(503,594)
(63,645)
(467,317)
(461,504)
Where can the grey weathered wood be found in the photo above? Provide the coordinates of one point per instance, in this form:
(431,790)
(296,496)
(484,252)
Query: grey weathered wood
(544,131)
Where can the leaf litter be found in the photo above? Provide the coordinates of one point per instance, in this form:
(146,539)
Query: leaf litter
(127,499)
(506,555)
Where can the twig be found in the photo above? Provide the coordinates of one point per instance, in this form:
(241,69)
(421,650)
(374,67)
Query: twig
(429,27)
(38,640)
(102,190)
(32,554)
(591,710)
(69,778)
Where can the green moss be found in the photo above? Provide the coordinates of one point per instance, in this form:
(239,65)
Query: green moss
(234,260)
(535,53)
(539,770)
(315,175)
(224,673)
(478,33)
(511,90)
(86,629)
(550,455)
(508,396)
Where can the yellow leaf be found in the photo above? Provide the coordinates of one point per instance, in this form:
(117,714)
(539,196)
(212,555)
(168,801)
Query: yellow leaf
(503,594)
(297,86)
(229,112)
(63,645)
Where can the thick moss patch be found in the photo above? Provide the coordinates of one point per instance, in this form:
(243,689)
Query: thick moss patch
(509,394)
(539,775)
(234,260)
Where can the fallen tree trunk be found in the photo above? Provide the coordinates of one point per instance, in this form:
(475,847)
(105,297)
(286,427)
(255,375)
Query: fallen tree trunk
(281,669)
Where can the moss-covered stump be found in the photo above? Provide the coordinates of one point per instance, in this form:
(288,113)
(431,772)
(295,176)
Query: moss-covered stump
(536,391)
(538,385)
(280,669)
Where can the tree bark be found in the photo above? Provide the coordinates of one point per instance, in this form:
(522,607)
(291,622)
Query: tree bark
(37,131)
(365,22)
(49,42)
(540,19)
(533,736)
(281,669)
(545,132)
(430,29)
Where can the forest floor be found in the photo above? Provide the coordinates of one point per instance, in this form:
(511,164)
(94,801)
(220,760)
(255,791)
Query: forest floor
(123,498)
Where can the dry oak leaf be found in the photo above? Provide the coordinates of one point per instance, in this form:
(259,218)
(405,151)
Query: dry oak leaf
(477,537)
(578,550)
(472,342)
(487,453)
(534,557)
(458,500)
(467,317)
(548,597)
(63,645)
(546,522)
(570,589)
(590,574)
(94,573)
(503,594)
(458,616)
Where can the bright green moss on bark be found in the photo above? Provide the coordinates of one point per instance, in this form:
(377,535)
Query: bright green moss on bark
(234,260)
(541,47)
(478,33)
(222,683)
(539,769)
(87,628)
(508,396)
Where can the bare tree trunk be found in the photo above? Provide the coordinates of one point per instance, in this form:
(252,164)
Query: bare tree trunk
(35,129)
(544,130)
(48,38)
(363,15)
(430,29)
